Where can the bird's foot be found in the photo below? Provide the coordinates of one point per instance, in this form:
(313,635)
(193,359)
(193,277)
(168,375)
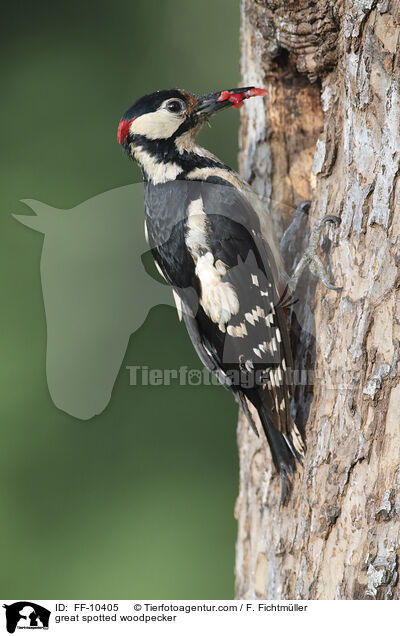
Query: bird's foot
(310,257)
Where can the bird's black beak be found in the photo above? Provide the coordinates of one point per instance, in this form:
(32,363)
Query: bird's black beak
(212,103)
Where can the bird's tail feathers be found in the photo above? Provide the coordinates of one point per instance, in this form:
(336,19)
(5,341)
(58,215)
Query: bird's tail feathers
(283,453)
(286,449)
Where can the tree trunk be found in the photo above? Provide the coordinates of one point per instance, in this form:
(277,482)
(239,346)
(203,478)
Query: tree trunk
(330,133)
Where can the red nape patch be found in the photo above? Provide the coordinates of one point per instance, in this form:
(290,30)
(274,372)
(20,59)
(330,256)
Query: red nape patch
(236,98)
(123,129)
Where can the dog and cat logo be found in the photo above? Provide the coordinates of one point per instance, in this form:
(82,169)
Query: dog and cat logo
(26,615)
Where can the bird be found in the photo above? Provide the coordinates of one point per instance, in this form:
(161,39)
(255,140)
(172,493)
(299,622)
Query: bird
(213,241)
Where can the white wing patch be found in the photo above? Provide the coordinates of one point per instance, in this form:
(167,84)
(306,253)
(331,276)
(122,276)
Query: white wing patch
(196,235)
(218,298)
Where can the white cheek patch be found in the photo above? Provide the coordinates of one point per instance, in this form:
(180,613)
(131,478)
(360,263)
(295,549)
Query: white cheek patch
(158,125)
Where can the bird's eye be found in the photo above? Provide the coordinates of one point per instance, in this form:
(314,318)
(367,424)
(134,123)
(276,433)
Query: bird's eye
(175,106)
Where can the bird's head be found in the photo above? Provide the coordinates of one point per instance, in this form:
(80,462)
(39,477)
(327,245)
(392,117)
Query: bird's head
(174,117)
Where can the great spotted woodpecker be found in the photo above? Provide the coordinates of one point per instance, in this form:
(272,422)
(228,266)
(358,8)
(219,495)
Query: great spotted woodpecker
(214,243)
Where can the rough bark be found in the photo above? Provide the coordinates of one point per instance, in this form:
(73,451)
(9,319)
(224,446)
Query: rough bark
(330,132)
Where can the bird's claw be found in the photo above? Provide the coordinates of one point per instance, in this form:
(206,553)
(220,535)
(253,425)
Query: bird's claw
(311,258)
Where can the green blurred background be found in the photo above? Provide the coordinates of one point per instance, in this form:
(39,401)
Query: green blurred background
(137,502)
